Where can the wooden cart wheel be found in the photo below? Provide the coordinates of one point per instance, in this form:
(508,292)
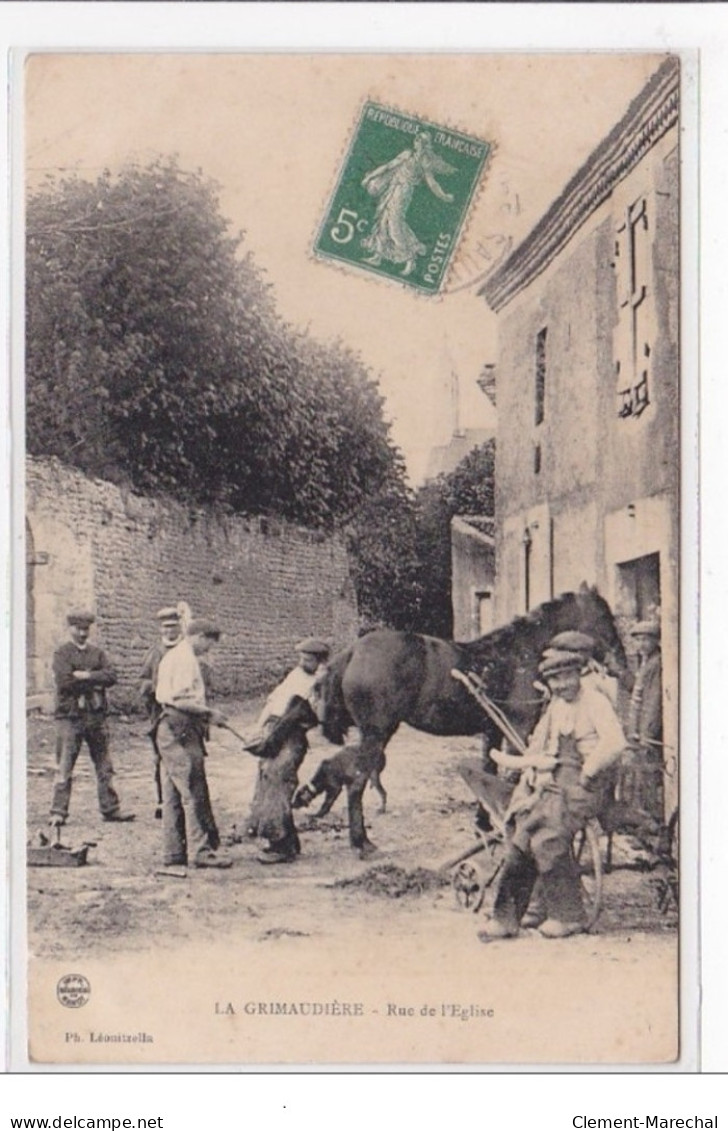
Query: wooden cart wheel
(471,880)
(468,884)
(588,856)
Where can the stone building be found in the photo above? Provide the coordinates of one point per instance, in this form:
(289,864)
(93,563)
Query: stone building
(472,548)
(588,467)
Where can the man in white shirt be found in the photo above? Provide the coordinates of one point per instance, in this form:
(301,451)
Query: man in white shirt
(576,740)
(184,718)
(271,814)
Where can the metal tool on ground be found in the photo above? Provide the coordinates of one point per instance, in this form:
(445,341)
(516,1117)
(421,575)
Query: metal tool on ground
(48,852)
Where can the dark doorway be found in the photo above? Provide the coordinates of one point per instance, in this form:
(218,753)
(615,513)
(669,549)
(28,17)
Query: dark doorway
(638,594)
(641,785)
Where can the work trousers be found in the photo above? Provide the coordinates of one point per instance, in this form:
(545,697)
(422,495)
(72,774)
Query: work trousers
(71,733)
(540,848)
(559,888)
(188,827)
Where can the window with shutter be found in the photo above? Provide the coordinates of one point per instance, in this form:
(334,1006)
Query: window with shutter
(540,390)
(632,342)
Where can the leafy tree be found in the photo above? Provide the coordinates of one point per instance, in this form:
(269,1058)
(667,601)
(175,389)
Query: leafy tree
(401,549)
(133,323)
(155,355)
(470,487)
(385,566)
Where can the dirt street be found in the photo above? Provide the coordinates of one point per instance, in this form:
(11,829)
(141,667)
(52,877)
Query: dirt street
(119,907)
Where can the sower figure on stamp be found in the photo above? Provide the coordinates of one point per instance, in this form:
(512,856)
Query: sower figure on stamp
(394,183)
(82,673)
(641,780)
(576,740)
(291,702)
(187,824)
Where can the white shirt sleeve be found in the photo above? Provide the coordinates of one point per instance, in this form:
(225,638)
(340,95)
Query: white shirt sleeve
(610,741)
(179,681)
(296,683)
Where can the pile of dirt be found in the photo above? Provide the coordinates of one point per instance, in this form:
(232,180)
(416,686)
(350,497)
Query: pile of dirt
(393,882)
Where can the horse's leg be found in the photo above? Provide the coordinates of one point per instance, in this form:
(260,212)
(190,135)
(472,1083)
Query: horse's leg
(368,759)
(377,783)
(332,792)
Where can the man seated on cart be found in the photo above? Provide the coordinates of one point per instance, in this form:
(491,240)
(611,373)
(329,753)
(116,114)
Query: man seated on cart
(576,740)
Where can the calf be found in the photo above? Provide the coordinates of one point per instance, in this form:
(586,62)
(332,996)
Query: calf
(331,777)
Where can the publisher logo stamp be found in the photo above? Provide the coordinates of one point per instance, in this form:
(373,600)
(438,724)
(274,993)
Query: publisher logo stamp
(401,199)
(73,990)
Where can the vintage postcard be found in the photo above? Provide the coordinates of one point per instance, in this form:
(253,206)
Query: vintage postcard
(352,560)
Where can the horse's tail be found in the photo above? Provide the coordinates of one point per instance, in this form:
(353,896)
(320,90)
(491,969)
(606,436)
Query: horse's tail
(336,719)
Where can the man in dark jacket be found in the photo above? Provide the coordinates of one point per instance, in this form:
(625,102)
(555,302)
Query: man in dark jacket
(641,783)
(82,674)
(289,711)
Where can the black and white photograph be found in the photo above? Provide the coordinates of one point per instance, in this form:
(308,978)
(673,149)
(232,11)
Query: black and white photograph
(352,580)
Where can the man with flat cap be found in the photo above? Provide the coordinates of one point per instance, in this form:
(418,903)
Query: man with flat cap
(188,827)
(642,783)
(171,620)
(289,711)
(170,633)
(82,674)
(593,671)
(577,739)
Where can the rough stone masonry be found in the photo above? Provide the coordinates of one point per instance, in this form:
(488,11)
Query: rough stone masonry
(91,543)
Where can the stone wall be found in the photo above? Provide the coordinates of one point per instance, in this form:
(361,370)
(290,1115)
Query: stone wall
(90,543)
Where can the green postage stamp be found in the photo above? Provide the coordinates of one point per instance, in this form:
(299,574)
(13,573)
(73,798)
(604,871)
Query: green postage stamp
(401,199)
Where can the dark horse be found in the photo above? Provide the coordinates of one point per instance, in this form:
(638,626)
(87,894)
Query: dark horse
(389,677)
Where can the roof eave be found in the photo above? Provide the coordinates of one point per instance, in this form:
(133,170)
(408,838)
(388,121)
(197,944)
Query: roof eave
(650,115)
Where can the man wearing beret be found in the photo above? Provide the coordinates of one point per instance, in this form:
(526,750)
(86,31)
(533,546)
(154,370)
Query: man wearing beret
(642,783)
(294,699)
(82,674)
(576,740)
(184,715)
